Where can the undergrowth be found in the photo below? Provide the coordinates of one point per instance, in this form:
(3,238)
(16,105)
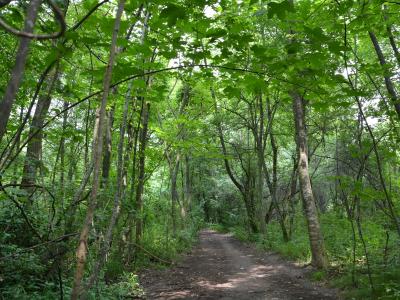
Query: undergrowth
(24,280)
(351,277)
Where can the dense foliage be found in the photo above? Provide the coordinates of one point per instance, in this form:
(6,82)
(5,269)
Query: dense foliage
(126,126)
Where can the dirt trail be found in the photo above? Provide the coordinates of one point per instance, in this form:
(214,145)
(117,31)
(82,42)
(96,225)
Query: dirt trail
(221,267)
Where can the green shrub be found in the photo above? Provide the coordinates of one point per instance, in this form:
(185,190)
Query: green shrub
(127,287)
(384,259)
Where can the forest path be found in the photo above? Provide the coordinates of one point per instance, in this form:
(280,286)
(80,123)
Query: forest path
(221,267)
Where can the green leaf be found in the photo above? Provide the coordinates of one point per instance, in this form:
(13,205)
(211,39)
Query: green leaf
(258,50)
(280,9)
(139,83)
(216,33)
(173,12)
(232,92)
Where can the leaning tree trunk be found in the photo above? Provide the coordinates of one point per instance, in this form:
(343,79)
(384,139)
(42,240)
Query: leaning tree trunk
(319,257)
(388,81)
(81,252)
(19,67)
(105,248)
(391,37)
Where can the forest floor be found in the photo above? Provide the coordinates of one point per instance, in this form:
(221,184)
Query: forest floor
(221,267)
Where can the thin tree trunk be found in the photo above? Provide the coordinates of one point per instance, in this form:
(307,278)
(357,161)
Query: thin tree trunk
(73,157)
(274,184)
(71,211)
(135,133)
(292,204)
(62,154)
(19,67)
(17,145)
(174,192)
(34,147)
(258,136)
(393,44)
(188,187)
(87,121)
(82,249)
(206,208)
(391,38)
(116,209)
(319,257)
(107,147)
(388,81)
(243,190)
(142,160)
(250,211)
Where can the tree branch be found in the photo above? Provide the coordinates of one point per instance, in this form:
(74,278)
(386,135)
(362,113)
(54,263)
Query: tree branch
(58,15)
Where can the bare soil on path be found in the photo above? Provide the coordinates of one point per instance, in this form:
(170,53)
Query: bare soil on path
(221,267)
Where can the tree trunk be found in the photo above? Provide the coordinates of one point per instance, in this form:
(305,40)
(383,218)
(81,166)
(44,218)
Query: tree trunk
(188,187)
(62,154)
(274,184)
(107,147)
(19,67)
(82,249)
(174,192)
(34,147)
(388,81)
(17,145)
(243,190)
(135,136)
(142,160)
(251,212)
(259,137)
(319,257)
(105,248)
(292,204)
(206,208)
(391,38)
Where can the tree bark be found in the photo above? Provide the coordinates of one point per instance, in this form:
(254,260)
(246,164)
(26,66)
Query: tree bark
(188,187)
(105,248)
(107,147)
(259,136)
(34,147)
(174,169)
(62,147)
(19,67)
(319,257)
(82,249)
(141,179)
(135,137)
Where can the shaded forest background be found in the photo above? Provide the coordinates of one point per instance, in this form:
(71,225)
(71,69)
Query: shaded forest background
(126,126)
